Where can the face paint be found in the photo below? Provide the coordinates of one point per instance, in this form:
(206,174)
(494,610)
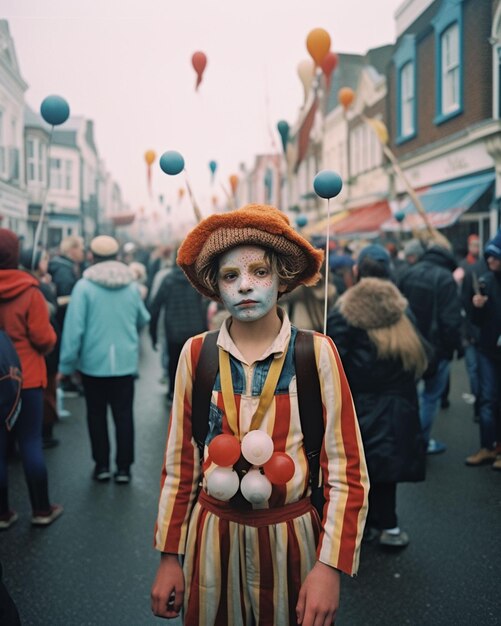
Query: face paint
(247,285)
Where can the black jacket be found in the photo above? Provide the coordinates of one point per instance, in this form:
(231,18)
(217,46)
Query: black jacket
(429,285)
(488,318)
(64,274)
(385,399)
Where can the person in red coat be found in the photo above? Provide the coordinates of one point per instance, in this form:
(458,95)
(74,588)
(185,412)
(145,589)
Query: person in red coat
(24,316)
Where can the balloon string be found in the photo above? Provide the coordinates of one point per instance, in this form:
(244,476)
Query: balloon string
(327,264)
(38,230)
(196,209)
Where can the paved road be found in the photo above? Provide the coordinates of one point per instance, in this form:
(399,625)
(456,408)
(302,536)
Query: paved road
(94,566)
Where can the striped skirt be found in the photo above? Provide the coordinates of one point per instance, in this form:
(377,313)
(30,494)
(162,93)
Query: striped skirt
(245,568)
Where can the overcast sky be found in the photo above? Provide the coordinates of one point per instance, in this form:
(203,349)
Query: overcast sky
(127,65)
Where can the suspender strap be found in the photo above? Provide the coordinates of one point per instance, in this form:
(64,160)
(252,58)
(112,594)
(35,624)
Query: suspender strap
(310,401)
(203,383)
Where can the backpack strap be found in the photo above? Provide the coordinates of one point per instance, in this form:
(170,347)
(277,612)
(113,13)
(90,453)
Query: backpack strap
(310,402)
(203,383)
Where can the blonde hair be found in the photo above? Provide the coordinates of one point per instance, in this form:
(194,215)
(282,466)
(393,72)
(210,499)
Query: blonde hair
(401,341)
(70,243)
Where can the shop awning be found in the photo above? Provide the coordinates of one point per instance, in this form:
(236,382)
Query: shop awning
(122,219)
(320,227)
(444,203)
(364,220)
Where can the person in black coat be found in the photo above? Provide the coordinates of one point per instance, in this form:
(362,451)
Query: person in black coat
(383,356)
(434,300)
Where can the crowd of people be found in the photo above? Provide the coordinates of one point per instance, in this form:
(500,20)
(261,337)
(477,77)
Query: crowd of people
(397,316)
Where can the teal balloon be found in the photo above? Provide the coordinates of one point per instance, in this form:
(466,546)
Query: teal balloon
(213,166)
(301,221)
(283,129)
(172,162)
(54,110)
(399,216)
(327,184)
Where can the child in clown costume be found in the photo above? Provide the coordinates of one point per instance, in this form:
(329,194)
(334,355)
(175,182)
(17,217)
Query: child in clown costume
(263,558)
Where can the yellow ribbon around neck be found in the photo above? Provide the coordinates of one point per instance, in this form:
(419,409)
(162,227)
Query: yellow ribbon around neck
(265,399)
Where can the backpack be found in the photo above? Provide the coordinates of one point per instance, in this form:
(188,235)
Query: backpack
(11,380)
(309,399)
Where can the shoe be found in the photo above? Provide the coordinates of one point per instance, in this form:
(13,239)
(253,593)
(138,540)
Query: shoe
(44,518)
(122,477)
(370,533)
(389,540)
(435,447)
(469,398)
(482,457)
(49,442)
(7,519)
(101,474)
(496,466)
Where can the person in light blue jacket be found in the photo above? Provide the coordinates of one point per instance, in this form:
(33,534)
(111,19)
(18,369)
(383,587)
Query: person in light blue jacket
(101,341)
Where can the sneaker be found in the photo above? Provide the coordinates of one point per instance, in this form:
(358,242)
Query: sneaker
(469,398)
(435,447)
(370,533)
(391,540)
(7,519)
(482,457)
(496,466)
(44,518)
(101,474)
(122,477)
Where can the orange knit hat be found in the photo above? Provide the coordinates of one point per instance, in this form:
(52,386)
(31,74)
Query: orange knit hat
(253,224)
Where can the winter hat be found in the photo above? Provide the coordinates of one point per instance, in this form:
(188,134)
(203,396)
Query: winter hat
(493,248)
(377,253)
(253,224)
(414,247)
(104,246)
(27,261)
(9,249)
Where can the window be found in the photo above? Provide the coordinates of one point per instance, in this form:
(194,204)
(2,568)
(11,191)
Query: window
(406,80)
(2,146)
(30,159)
(68,174)
(56,174)
(448,26)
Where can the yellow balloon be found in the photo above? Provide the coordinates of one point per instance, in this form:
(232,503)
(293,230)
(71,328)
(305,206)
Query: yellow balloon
(149,156)
(380,129)
(306,73)
(318,44)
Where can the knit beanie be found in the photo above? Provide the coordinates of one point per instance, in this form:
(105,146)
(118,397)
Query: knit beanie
(9,249)
(493,248)
(253,224)
(376,253)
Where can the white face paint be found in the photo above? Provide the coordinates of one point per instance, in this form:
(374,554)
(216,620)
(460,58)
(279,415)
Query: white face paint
(247,285)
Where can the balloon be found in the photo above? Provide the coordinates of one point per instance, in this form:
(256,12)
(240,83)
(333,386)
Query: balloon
(213,166)
(54,110)
(346,96)
(306,73)
(329,64)
(224,450)
(280,468)
(399,216)
(214,201)
(222,483)
(318,43)
(283,129)
(301,221)
(380,129)
(255,487)
(257,447)
(327,184)
(234,183)
(199,61)
(149,156)
(180,192)
(172,162)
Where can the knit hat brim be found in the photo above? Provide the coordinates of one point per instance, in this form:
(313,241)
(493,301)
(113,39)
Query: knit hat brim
(253,224)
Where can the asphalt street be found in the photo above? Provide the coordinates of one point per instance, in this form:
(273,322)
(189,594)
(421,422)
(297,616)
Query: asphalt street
(94,566)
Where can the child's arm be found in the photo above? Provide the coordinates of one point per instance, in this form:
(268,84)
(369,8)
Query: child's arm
(167,593)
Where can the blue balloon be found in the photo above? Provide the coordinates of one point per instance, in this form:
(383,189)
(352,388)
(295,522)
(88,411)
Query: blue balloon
(399,216)
(212,166)
(301,221)
(283,128)
(55,110)
(172,162)
(327,184)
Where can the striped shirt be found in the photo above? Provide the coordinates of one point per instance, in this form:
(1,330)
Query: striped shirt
(342,459)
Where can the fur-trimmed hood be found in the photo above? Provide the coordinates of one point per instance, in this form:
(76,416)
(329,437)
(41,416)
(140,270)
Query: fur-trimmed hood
(110,274)
(372,303)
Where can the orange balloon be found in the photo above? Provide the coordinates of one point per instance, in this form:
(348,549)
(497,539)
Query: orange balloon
(329,63)
(318,44)
(199,62)
(346,96)
(181,192)
(234,182)
(214,201)
(150,156)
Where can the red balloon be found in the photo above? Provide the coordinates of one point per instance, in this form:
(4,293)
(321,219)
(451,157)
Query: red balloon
(224,450)
(199,61)
(329,63)
(280,468)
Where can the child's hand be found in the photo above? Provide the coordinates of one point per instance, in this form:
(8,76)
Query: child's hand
(167,593)
(318,599)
